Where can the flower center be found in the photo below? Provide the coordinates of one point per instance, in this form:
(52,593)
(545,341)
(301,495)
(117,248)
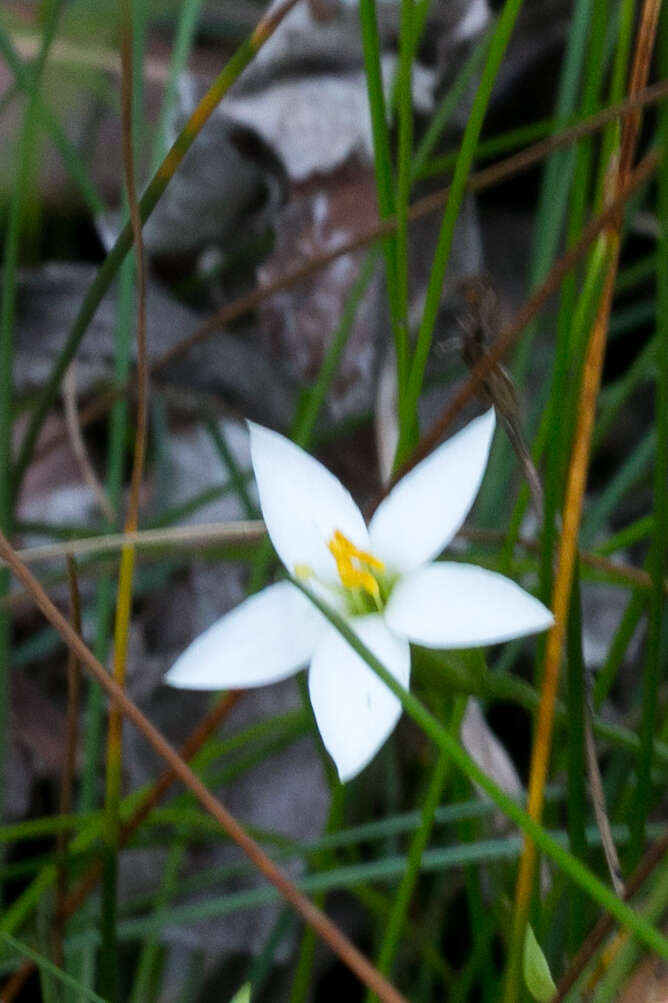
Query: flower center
(366,585)
(356,567)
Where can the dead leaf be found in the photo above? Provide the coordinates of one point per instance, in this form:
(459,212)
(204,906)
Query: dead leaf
(648,984)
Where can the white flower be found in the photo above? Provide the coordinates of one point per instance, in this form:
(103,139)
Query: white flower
(381,577)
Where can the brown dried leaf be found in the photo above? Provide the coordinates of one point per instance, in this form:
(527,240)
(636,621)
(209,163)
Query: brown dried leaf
(297,325)
(648,984)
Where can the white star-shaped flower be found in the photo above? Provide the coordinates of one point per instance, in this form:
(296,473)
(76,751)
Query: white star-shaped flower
(382,578)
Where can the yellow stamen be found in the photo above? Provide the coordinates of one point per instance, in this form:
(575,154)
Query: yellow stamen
(341,547)
(303,571)
(355,575)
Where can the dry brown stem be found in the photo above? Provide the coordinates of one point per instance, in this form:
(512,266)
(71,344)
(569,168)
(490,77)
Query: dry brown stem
(309,912)
(79,446)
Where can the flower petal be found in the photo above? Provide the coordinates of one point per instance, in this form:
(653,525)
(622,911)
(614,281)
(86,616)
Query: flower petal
(355,710)
(426,508)
(447,605)
(265,639)
(302,504)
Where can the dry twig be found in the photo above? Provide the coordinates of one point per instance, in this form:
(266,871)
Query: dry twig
(606,924)
(79,446)
(323,926)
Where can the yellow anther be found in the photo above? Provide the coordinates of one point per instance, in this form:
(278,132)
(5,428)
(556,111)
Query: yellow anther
(353,565)
(340,546)
(354,579)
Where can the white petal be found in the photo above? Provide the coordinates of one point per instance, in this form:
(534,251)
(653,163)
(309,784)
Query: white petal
(355,710)
(448,605)
(263,640)
(302,504)
(426,508)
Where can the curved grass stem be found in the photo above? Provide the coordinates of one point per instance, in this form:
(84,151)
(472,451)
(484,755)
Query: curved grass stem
(398,913)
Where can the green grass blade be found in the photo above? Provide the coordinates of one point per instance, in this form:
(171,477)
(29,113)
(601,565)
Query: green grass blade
(236,476)
(385,186)
(404,157)
(636,273)
(144,981)
(398,913)
(558,172)
(577,799)
(185,32)
(655,660)
(435,860)
(70,156)
(455,94)
(619,646)
(636,467)
(262,966)
(306,423)
(635,532)
(614,397)
(497,47)
(321,859)
(11,252)
(44,964)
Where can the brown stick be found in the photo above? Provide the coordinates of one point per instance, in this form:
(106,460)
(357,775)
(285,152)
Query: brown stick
(79,446)
(16,982)
(239,531)
(606,923)
(323,926)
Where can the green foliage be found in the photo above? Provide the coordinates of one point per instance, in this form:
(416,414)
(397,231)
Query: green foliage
(537,975)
